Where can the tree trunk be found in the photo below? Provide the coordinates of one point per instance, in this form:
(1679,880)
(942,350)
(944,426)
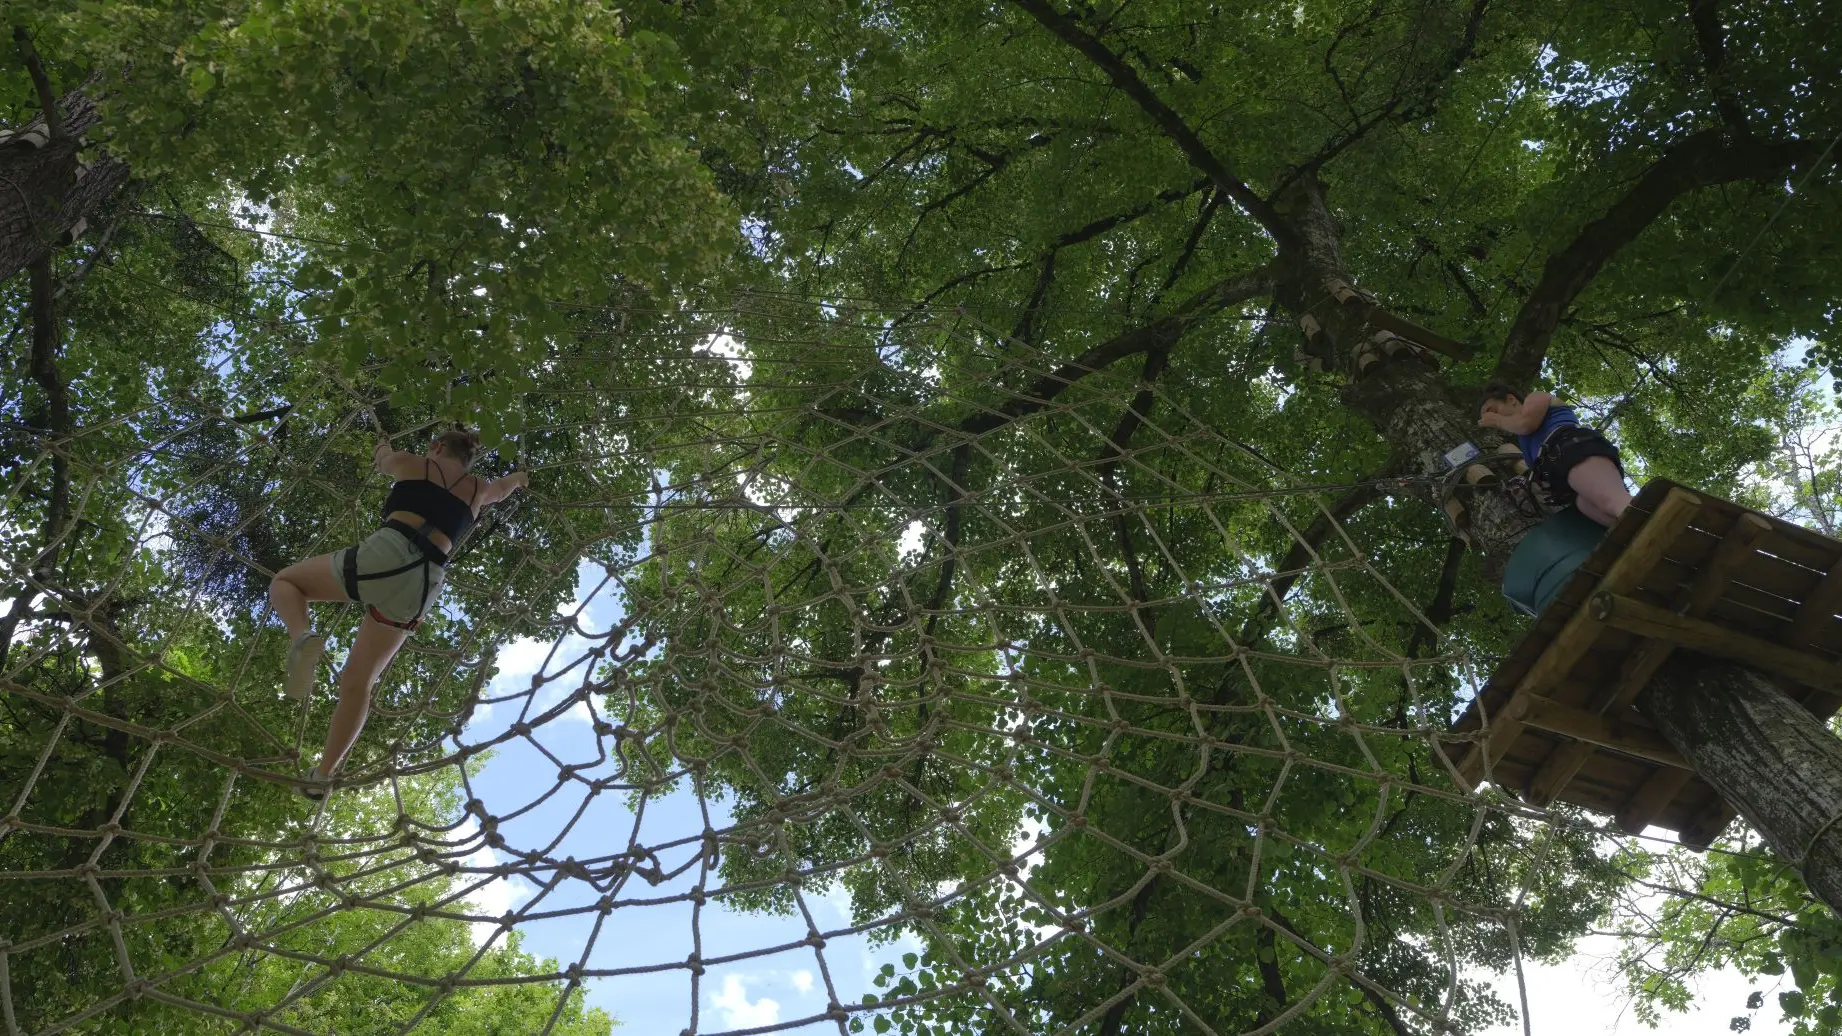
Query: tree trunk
(1773,761)
(1403,395)
(46,193)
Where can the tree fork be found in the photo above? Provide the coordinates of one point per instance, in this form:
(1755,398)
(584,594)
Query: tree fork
(1404,396)
(46,192)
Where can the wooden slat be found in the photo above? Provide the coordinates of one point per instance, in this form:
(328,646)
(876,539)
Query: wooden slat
(1551,777)
(1708,825)
(1736,549)
(1646,548)
(1764,574)
(1713,639)
(1817,610)
(1584,725)
(1647,802)
(1809,549)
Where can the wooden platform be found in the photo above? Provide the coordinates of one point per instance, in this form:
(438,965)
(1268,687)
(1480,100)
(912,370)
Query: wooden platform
(1681,570)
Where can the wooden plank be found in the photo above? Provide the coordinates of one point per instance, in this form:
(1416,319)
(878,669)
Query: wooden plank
(1713,639)
(1809,549)
(1817,610)
(1733,614)
(1560,767)
(1737,548)
(1764,575)
(1588,726)
(1646,548)
(1823,704)
(1606,781)
(1648,801)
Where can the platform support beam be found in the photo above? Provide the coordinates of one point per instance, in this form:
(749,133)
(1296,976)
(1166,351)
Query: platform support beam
(1694,601)
(1710,638)
(1638,558)
(1764,753)
(1591,728)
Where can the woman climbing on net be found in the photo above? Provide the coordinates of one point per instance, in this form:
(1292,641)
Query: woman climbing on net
(396,573)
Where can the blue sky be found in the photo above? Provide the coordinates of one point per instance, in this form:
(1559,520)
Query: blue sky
(763,990)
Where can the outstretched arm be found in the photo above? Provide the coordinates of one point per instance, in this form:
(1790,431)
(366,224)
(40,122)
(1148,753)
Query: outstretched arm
(500,488)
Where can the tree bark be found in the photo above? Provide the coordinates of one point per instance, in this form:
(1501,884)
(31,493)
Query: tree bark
(1768,756)
(1405,396)
(46,193)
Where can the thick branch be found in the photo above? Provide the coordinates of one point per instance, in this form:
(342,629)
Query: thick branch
(1712,36)
(1266,953)
(1439,612)
(1698,161)
(41,82)
(1113,452)
(1168,121)
(1293,564)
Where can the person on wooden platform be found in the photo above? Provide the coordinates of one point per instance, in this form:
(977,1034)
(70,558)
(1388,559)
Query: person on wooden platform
(1572,464)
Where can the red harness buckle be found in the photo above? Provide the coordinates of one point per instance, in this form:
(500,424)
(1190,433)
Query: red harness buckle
(409,626)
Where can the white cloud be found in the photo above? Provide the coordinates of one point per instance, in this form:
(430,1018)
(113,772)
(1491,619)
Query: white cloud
(578,713)
(521,658)
(496,896)
(726,346)
(910,543)
(802,980)
(1583,994)
(738,1011)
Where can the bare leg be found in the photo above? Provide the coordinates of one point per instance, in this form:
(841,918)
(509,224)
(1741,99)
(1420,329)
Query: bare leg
(376,645)
(1601,489)
(294,586)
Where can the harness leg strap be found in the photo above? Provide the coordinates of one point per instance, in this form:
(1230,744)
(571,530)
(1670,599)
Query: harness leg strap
(351,574)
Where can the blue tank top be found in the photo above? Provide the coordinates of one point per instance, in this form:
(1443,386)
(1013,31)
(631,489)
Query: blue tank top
(1556,417)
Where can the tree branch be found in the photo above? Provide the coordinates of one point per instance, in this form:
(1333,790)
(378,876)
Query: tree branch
(1162,332)
(41,82)
(1396,107)
(1712,36)
(1701,160)
(1167,120)
(1115,450)
(1292,566)
(1271,980)
(1079,235)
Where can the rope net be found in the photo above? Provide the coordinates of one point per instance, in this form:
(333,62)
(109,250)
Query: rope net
(995,690)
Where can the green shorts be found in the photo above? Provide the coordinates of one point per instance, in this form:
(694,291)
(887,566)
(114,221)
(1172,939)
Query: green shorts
(404,597)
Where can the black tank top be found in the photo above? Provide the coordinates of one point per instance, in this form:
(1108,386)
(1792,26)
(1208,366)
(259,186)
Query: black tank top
(435,502)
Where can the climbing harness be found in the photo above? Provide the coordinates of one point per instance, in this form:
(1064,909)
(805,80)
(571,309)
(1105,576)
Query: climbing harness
(431,555)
